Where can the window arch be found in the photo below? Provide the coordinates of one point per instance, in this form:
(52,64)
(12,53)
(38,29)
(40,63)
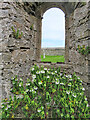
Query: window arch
(53,28)
(39,13)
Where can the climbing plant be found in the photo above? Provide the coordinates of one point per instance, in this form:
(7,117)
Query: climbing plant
(50,94)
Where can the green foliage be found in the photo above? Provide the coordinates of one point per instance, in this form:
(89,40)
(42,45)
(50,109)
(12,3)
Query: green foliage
(31,27)
(83,50)
(53,59)
(16,34)
(83,3)
(49,91)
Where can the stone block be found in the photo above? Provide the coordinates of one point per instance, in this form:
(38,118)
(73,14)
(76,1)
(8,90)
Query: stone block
(6,57)
(1,60)
(3,13)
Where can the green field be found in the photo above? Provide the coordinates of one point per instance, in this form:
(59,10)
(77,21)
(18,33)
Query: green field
(52,59)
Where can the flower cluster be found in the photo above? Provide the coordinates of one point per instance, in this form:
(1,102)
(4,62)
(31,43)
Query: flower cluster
(49,93)
(83,50)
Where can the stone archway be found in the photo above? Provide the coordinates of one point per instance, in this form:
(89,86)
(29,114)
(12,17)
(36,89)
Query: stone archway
(39,13)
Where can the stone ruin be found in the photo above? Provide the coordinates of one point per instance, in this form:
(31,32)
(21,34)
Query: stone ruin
(17,56)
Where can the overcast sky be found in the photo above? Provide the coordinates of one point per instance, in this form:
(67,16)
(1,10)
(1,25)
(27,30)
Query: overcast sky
(53,28)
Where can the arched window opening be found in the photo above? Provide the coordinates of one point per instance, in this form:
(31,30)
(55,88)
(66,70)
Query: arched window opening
(53,36)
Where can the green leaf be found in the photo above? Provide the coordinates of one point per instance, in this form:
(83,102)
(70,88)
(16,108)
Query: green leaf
(72,116)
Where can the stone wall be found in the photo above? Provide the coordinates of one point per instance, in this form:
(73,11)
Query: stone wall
(79,35)
(18,55)
(53,51)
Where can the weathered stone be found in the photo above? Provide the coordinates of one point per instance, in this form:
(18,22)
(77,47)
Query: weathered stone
(6,57)
(18,55)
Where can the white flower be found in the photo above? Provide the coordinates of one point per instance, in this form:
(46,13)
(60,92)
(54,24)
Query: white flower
(38,72)
(27,90)
(20,85)
(42,71)
(70,79)
(57,82)
(83,88)
(52,73)
(85,98)
(30,90)
(45,68)
(13,83)
(39,110)
(81,93)
(69,84)
(17,97)
(32,69)
(6,108)
(34,91)
(2,106)
(42,107)
(48,77)
(66,76)
(87,105)
(40,83)
(73,95)
(60,74)
(27,84)
(55,71)
(1,103)
(21,79)
(78,78)
(69,76)
(68,92)
(62,114)
(34,76)
(35,97)
(35,88)
(61,83)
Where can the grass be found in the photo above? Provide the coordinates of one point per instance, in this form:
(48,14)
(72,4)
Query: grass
(52,59)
